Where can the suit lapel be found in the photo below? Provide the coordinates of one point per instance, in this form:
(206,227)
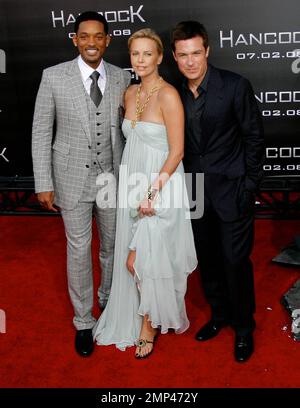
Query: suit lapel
(78,95)
(213,102)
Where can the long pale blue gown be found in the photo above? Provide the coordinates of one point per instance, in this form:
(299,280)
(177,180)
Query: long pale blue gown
(165,251)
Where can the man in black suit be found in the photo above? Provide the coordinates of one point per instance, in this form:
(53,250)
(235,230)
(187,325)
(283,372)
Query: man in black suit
(223,140)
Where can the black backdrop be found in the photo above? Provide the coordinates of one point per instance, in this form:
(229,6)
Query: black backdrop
(258,39)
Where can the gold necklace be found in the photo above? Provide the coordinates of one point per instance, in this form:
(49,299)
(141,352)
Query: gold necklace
(140,109)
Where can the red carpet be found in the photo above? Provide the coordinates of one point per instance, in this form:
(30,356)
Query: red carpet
(37,349)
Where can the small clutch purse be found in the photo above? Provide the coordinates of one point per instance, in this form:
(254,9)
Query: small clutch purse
(134,212)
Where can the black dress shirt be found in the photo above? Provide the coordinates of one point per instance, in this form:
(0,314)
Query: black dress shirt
(193,108)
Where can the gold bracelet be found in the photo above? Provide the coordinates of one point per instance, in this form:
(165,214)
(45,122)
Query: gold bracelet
(151,193)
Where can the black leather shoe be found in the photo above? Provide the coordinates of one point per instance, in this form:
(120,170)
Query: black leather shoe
(210,330)
(243,348)
(84,343)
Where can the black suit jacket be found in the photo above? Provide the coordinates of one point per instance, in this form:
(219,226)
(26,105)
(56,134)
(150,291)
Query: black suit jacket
(232,145)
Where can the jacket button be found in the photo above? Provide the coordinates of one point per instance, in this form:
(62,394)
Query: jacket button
(87,166)
(89,147)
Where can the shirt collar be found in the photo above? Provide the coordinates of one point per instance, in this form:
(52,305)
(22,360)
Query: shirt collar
(86,70)
(204,83)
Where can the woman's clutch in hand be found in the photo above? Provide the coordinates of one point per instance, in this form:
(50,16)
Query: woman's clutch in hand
(134,212)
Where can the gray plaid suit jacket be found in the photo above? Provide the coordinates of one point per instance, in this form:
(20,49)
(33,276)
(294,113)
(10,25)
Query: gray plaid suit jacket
(61,131)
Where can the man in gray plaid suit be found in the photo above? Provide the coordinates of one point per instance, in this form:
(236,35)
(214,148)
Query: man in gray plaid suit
(84,99)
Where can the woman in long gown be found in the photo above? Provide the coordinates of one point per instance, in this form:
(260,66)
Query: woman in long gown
(154,248)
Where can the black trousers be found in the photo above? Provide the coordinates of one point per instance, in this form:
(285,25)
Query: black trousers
(223,250)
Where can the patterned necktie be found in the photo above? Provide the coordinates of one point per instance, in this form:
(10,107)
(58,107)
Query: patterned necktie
(95,92)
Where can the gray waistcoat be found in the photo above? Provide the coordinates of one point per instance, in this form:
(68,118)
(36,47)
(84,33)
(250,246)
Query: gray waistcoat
(102,159)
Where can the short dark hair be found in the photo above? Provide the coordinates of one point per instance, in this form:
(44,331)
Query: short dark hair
(90,15)
(189,29)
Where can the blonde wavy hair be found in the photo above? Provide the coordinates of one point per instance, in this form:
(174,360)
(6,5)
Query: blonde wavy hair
(147,33)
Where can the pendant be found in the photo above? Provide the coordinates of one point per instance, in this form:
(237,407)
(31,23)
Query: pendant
(133,123)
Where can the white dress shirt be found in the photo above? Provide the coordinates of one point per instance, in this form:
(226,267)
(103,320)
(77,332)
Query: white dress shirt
(86,71)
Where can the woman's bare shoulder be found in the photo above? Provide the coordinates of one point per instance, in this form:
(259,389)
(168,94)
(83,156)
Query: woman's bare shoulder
(168,92)
(131,90)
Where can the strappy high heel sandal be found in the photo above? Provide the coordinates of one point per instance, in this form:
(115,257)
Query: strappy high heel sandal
(143,343)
